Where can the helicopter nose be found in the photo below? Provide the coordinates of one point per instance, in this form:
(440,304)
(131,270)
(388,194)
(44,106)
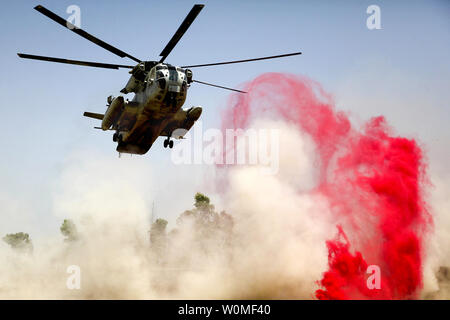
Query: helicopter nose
(175,88)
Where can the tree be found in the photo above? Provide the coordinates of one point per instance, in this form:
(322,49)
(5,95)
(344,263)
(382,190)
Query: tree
(208,224)
(202,201)
(158,230)
(158,237)
(203,214)
(69,230)
(20,241)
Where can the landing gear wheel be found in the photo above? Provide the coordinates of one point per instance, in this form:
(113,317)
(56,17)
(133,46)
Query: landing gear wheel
(116,137)
(168,143)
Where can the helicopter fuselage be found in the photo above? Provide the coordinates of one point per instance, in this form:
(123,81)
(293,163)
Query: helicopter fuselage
(160,90)
(155,110)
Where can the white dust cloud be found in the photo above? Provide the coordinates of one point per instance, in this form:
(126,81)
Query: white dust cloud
(276,248)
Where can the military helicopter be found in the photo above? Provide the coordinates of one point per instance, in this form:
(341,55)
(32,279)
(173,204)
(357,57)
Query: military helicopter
(160,91)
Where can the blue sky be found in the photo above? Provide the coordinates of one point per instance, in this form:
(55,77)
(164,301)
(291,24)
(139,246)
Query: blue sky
(401,71)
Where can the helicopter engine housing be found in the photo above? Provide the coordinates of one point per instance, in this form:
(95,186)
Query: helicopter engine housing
(112,113)
(194,113)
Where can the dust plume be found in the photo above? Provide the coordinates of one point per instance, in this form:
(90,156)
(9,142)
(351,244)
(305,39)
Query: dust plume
(344,197)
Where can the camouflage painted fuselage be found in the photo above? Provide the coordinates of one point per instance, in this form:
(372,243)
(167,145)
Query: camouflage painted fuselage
(155,109)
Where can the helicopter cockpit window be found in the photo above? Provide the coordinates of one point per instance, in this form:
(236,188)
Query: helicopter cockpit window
(173,75)
(159,74)
(139,74)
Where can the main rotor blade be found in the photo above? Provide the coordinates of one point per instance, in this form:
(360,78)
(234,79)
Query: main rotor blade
(83,33)
(215,85)
(240,61)
(181,30)
(77,62)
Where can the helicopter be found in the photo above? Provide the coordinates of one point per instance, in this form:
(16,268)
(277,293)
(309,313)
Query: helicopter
(159,88)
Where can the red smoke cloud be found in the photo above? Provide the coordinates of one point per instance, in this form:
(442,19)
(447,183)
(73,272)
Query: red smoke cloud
(372,179)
